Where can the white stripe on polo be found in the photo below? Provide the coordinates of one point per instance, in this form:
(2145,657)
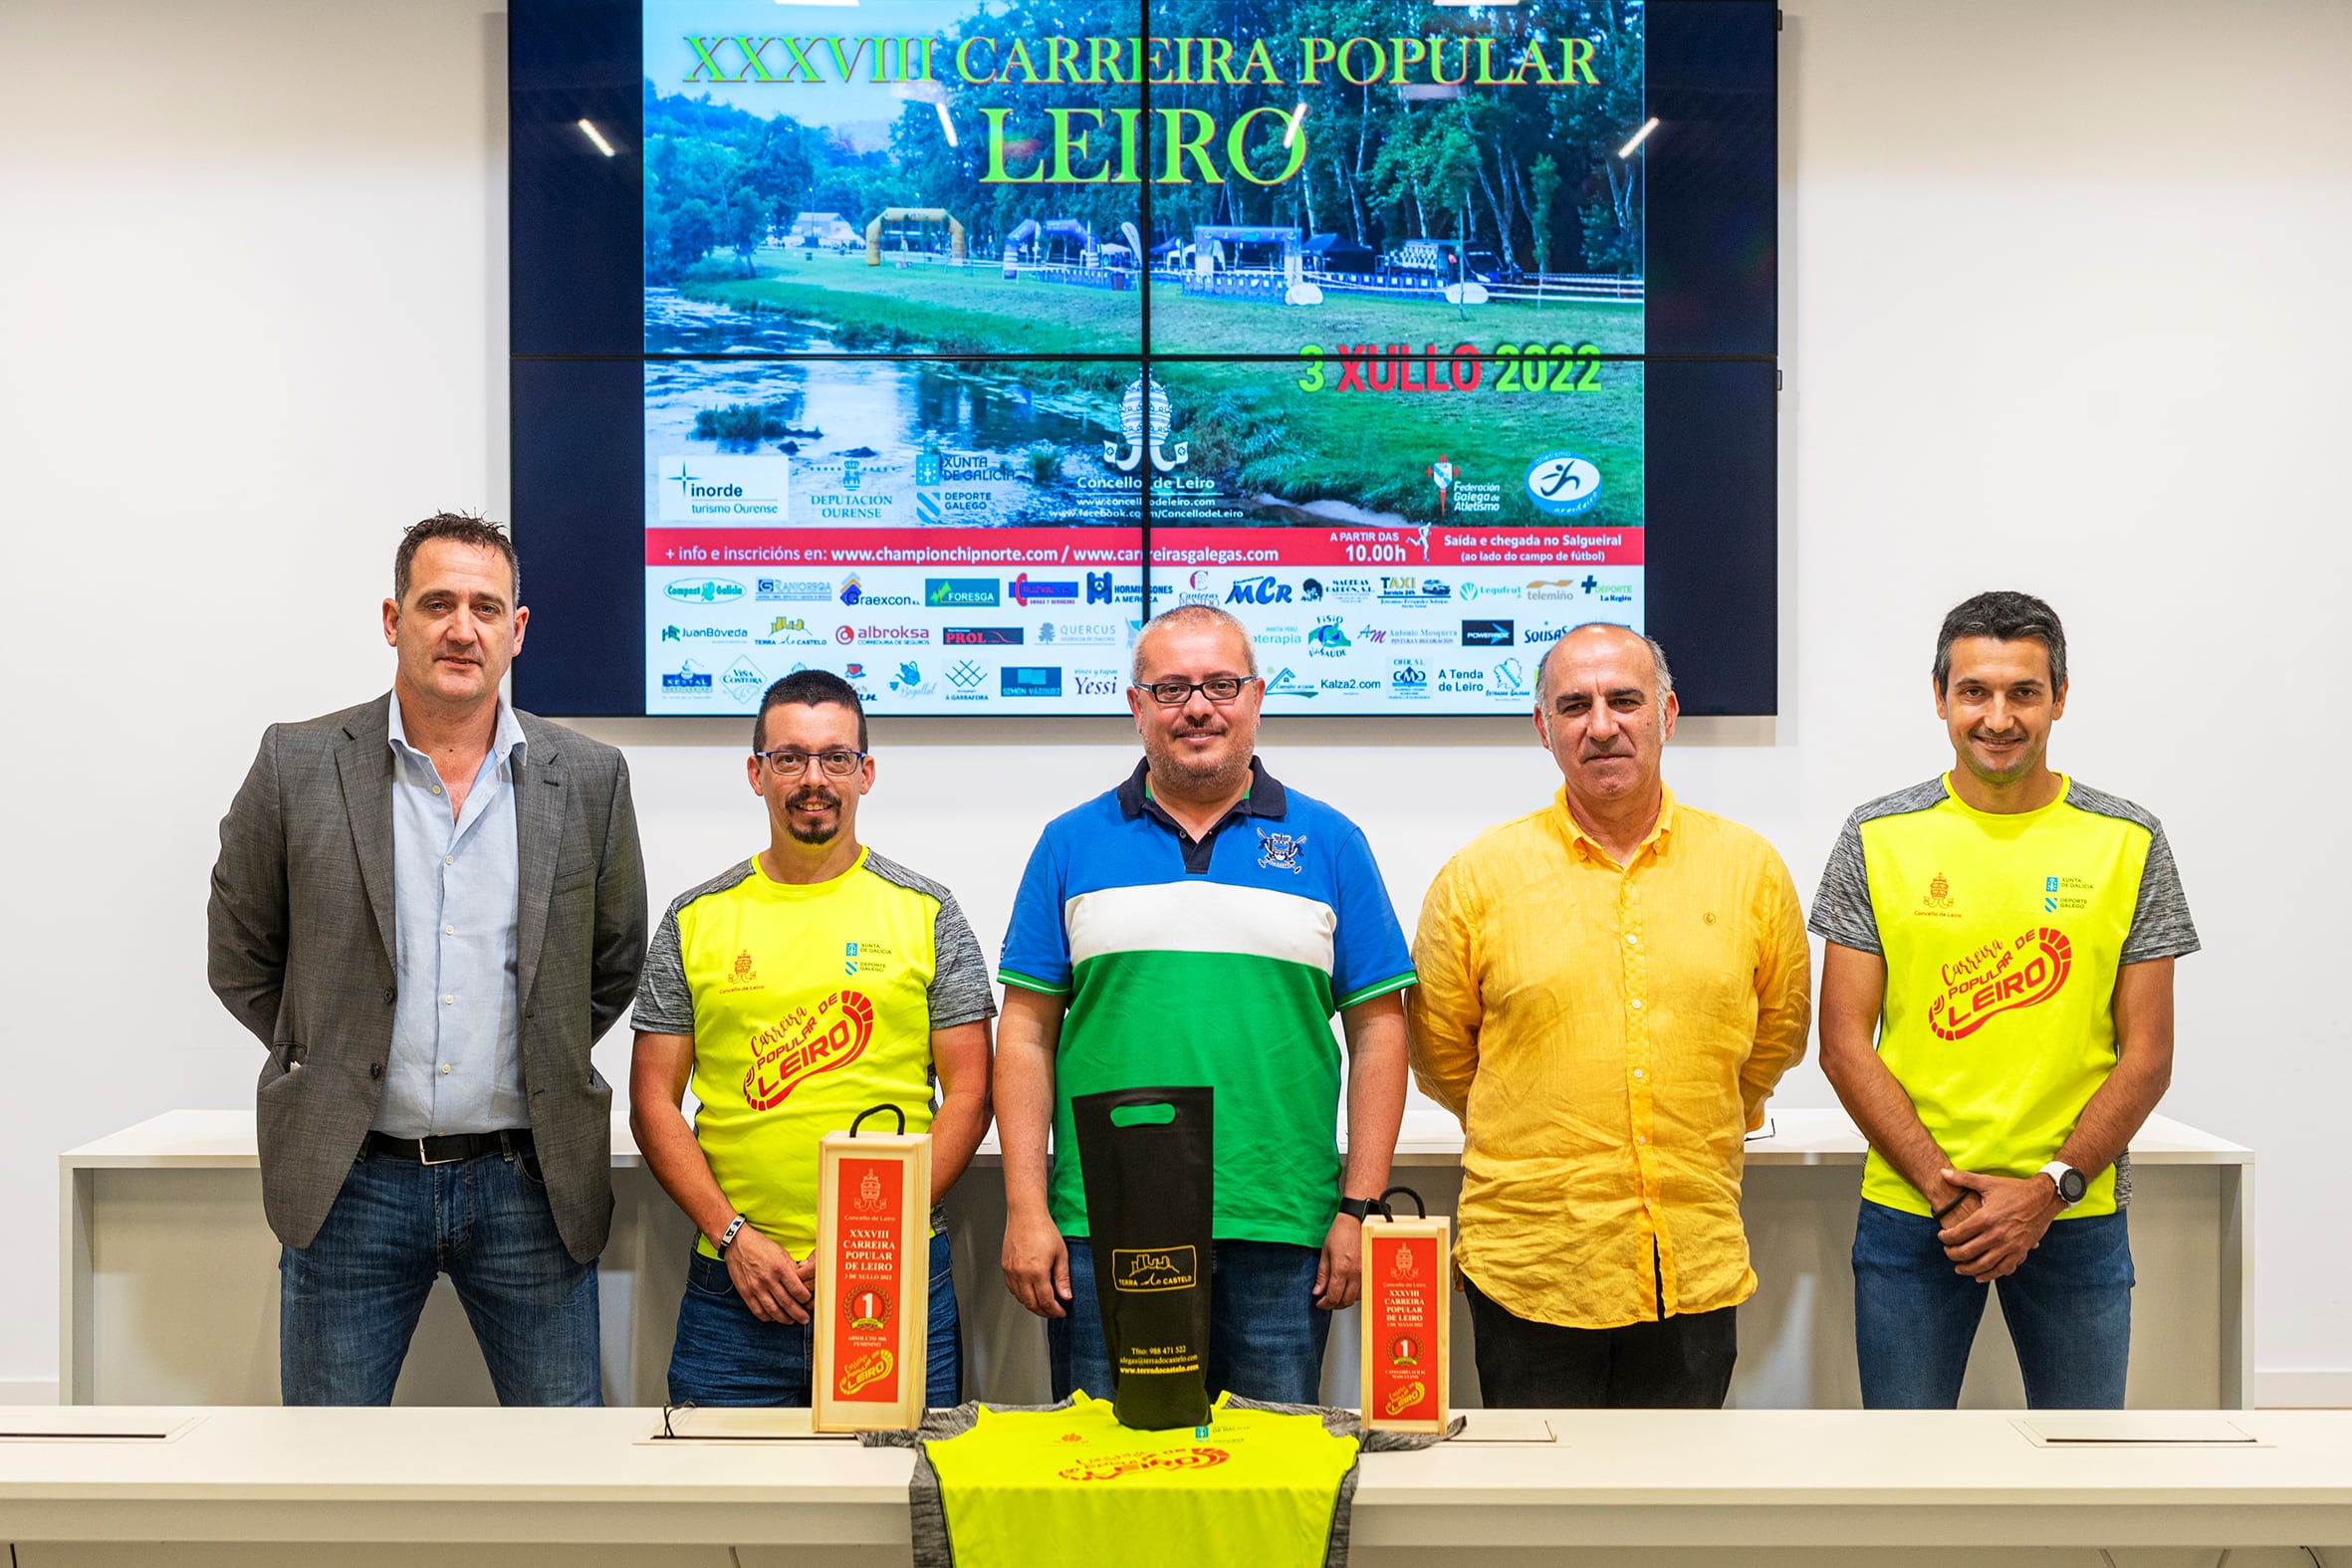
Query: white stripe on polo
(1197,915)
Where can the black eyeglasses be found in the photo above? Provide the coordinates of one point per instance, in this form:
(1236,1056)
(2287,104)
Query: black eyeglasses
(1217,688)
(790,765)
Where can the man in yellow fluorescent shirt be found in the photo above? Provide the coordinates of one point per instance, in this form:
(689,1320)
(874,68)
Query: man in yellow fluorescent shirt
(792,990)
(1609,989)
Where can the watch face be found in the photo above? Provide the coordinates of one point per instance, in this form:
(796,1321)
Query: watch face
(2072,1185)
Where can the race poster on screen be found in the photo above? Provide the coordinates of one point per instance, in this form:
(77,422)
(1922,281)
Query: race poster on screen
(903,398)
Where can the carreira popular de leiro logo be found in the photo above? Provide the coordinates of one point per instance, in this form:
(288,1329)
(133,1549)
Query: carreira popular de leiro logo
(1997,977)
(805,1042)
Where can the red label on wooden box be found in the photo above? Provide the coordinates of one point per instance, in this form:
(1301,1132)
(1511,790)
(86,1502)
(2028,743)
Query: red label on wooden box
(869,1281)
(1404,1294)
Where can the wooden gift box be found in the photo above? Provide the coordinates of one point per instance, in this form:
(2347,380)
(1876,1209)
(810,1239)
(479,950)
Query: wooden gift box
(1406,1321)
(874,1278)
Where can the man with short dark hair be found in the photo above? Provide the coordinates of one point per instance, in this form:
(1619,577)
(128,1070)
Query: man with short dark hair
(1610,990)
(429,908)
(795,989)
(2005,935)
(1200,925)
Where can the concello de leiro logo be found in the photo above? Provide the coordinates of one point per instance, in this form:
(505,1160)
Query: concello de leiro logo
(1997,978)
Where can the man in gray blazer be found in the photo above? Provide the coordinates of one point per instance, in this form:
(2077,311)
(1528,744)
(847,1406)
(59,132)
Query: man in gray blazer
(428,907)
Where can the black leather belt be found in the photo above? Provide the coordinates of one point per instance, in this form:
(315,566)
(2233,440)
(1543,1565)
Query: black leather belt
(450,1148)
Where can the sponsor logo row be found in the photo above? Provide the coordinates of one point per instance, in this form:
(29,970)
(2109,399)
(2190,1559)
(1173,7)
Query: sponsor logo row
(1410,680)
(1020,592)
(1328,637)
(970,680)
(756,489)
(1098,587)
(879,682)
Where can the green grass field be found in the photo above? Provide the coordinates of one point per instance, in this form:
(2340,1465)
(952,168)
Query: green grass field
(922,307)
(1252,425)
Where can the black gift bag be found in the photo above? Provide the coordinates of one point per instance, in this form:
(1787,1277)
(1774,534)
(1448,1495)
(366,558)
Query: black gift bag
(1149,1161)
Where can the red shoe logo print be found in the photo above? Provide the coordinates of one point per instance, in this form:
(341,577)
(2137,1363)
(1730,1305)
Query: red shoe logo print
(788,1054)
(1999,978)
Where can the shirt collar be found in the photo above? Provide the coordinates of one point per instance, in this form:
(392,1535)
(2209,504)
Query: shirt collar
(1266,796)
(508,745)
(1657,840)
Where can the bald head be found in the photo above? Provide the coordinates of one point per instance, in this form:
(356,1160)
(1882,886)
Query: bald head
(1661,678)
(1605,709)
(1194,618)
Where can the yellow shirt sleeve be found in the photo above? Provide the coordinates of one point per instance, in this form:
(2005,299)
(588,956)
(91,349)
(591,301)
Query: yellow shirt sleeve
(1783,989)
(1443,1011)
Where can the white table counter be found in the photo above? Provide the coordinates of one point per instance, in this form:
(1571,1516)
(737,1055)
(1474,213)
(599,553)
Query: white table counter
(1747,1487)
(168,1276)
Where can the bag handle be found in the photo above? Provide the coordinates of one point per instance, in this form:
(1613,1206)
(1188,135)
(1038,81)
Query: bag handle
(1381,1203)
(893,1110)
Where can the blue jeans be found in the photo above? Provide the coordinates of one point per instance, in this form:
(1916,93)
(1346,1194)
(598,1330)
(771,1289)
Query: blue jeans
(348,1303)
(2068,1308)
(725,1356)
(1266,1334)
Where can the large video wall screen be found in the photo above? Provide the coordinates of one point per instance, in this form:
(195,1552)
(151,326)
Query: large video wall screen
(936,342)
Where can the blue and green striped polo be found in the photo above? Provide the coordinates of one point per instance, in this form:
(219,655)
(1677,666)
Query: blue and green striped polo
(1221,963)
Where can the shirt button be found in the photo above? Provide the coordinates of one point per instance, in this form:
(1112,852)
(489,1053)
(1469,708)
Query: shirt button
(445,1000)
(450,860)
(444,1069)
(1637,1072)
(436,789)
(1631,939)
(1637,1137)
(449,931)
(1636,1001)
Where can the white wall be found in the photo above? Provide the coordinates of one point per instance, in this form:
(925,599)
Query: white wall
(2061,286)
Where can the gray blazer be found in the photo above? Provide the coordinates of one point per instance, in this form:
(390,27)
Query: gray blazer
(301,949)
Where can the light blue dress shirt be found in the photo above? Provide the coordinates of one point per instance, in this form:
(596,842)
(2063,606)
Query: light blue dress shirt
(457,1056)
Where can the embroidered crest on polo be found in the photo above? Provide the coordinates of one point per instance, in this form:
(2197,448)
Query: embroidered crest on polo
(1281,851)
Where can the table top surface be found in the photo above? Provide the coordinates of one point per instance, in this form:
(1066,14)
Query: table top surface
(1762,1459)
(223,1140)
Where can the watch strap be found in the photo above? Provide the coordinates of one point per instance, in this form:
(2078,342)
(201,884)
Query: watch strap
(1357,1207)
(2060,1174)
(727,1238)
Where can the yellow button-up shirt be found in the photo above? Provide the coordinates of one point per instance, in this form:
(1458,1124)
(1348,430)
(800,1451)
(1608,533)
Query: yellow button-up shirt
(1607,1035)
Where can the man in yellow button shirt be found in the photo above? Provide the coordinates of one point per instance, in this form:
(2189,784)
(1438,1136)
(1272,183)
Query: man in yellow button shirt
(1610,989)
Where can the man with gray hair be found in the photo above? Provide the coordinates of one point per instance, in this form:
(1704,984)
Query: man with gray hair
(1609,989)
(1202,924)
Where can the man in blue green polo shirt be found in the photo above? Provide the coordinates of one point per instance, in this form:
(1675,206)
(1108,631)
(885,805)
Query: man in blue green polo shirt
(1200,925)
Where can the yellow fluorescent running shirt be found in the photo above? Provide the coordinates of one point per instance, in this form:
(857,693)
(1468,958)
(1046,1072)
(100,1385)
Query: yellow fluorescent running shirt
(2002,934)
(1607,1035)
(807,1003)
(1073,1488)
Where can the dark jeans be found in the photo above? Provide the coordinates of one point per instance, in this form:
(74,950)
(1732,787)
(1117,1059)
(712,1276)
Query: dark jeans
(1266,1334)
(348,1303)
(725,1356)
(1677,1363)
(2068,1308)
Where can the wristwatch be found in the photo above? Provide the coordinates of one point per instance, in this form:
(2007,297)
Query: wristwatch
(2072,1184)
(1356,1208)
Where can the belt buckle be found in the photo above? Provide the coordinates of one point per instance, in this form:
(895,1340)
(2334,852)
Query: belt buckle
(424,1158)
